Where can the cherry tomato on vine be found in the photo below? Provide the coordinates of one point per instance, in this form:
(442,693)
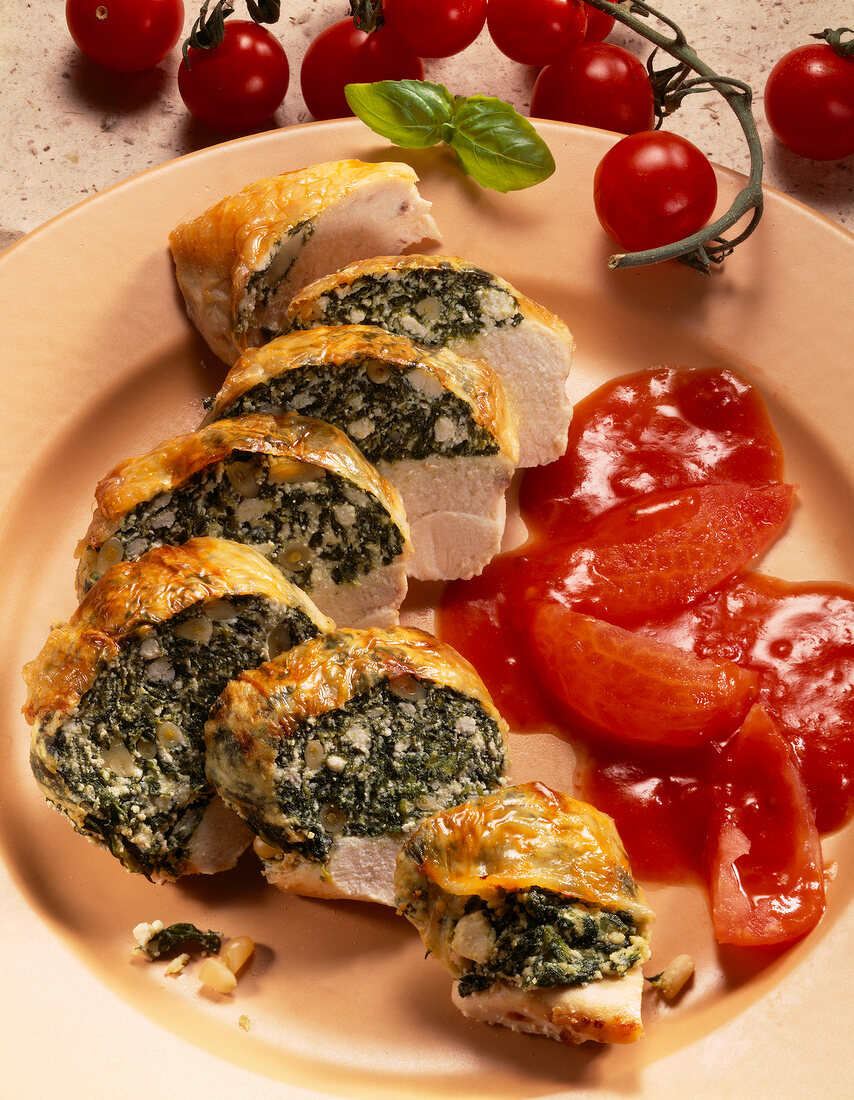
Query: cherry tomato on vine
(536,32)
(809,102)
(597,84)
(125,35)
(435,28)
(653,188)
(342,54)
(239,84)
(599,25)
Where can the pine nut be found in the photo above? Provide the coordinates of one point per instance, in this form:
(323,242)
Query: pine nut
(674,976)
(215,975)
(237,952)
(263,850)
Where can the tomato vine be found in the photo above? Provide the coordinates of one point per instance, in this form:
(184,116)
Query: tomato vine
(672,85)
(208,30)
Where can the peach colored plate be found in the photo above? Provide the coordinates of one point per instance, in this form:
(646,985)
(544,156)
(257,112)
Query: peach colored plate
(101,362)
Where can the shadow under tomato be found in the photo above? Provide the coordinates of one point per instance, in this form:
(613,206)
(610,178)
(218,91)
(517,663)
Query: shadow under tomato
(117,94)
(193,135)
(741,965)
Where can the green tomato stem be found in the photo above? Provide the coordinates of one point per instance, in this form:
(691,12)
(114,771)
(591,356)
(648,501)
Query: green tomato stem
(672,85)
(835,38)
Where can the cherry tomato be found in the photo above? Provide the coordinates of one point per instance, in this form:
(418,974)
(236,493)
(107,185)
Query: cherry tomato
(435,28)
(631,688)
(536,32)
(341,55)
(599,25)
(599,85)
(239,84)
(125,35)
(809,102)
(767,883)
(653,188)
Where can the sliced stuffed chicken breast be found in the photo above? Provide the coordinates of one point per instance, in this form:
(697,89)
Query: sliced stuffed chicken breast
(118,697)
(446,301)
(239,262)
(334,751)
(296,489)
(526,896)
(435,424)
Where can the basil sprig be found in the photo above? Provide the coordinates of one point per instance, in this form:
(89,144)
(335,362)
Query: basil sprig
(495,145)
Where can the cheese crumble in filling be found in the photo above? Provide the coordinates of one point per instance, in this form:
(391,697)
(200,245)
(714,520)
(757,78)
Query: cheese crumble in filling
(377,765)
(432,306)
(314,526)
(128,766)
(391,414)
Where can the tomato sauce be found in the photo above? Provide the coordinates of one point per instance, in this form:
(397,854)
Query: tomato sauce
(640,434)
(658,429)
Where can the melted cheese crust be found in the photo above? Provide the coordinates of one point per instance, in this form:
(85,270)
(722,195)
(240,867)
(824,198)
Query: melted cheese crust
(152,589)
(525,836)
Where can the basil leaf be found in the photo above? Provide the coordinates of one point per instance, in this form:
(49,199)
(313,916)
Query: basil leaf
(497,146)
(410,113)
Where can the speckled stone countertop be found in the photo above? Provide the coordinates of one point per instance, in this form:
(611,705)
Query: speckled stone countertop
(73,129)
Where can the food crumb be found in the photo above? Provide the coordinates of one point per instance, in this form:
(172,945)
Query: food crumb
(177,964)
(674,976)
(143,932)
(237,952)
(245,1022)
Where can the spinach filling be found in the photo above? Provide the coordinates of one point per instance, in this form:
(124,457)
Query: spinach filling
(540,938)
(432,306)
(131,758)
(390,418)
(378,765)
(263,283)
(324,526)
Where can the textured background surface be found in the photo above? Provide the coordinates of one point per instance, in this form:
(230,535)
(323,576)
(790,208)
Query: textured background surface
(73,129)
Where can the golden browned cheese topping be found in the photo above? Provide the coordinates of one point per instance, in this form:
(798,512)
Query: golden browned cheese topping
(331,346)
(525,836)
(155,588)
(325,672)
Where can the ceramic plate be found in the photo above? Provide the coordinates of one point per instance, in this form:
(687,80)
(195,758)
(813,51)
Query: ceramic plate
(101,362)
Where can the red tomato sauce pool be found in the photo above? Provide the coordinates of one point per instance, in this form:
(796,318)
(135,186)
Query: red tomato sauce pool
(642,433)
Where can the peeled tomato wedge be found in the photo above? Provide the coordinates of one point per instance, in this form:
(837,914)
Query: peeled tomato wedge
(632,688)
(659,551)
(767,879)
